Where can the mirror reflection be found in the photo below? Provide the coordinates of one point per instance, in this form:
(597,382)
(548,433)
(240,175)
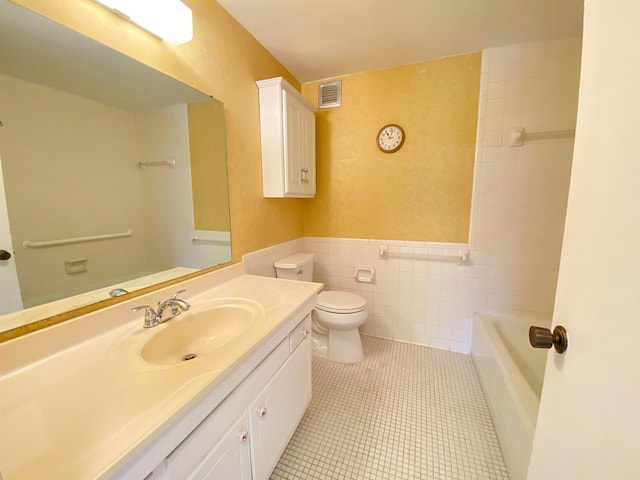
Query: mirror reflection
(114,174)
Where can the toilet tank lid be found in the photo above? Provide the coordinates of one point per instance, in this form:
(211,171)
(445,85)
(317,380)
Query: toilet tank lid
(294,261)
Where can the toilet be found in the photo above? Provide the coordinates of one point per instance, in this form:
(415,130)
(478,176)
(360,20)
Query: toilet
(336,317)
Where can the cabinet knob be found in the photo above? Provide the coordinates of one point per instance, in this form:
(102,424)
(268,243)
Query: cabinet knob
(4,255)
(262,412)
(243,436)
(306,333)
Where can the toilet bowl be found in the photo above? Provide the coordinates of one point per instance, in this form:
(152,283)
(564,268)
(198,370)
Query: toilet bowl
(336,317)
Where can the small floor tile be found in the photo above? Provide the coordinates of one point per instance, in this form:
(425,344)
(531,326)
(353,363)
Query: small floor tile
(404,412)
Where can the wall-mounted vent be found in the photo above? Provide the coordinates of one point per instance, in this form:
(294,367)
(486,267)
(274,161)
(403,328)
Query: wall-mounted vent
(330,94)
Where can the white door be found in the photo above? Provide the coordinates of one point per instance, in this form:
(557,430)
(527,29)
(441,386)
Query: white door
(589,420)
(10,300)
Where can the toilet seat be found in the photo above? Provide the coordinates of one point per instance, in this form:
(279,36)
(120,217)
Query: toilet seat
(340,302)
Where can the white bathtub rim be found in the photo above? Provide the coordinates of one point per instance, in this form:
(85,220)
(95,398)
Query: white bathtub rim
(526,400)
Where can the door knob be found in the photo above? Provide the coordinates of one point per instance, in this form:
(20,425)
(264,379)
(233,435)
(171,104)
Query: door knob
(540,337)
(4,255)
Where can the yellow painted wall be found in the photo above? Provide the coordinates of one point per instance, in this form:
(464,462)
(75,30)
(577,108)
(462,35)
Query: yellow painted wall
(207,151)
(423,191)
(223,60)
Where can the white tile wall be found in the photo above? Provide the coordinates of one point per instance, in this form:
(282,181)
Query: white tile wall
(425,302)
(520,193)
(517,218)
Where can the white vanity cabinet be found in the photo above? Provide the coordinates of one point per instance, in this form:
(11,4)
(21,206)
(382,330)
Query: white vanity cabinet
(206,454)
(229,458)
(245,435)
(275,414)
(288,136)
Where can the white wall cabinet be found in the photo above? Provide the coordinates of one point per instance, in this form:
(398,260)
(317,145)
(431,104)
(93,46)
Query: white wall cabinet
(288,137)
(244,437)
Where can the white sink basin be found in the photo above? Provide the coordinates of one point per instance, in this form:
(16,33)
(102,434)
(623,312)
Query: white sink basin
(207,327)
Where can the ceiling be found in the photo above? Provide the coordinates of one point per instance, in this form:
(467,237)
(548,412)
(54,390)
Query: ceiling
(319,39)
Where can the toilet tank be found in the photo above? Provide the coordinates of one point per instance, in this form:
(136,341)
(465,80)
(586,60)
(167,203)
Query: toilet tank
(298,266)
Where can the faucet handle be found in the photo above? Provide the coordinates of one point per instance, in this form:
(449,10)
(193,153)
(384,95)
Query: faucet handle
(146,308)
(179,292)
(149,315)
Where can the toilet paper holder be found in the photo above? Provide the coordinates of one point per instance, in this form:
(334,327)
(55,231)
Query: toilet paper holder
(365,275)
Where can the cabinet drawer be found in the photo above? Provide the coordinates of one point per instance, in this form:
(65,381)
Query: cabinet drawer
(298,334)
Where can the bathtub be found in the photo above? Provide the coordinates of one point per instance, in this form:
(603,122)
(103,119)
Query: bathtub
(511,373)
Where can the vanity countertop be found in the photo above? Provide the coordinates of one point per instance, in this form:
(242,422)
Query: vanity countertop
(84,411)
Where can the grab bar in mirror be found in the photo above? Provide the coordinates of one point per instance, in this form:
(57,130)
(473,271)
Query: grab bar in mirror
(159,163)
(211,237)
(66,241)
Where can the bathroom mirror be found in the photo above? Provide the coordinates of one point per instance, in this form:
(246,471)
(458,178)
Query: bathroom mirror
(114,174)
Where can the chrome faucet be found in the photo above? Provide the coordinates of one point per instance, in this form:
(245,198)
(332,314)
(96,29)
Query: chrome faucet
(156,317)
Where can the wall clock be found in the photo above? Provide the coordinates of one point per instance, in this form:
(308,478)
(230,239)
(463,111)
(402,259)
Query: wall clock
(391,138)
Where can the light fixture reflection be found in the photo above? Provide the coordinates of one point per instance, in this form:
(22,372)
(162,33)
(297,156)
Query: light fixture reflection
(171,20)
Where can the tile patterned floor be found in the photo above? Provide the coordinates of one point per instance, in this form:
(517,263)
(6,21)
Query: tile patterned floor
(404,412)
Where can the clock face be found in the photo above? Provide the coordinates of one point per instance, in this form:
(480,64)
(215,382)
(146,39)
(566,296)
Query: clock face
(390,138)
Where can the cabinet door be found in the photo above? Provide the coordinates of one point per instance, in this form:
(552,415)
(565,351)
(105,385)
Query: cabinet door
(308,139)
(229,459)
(274,416)
(299,147)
